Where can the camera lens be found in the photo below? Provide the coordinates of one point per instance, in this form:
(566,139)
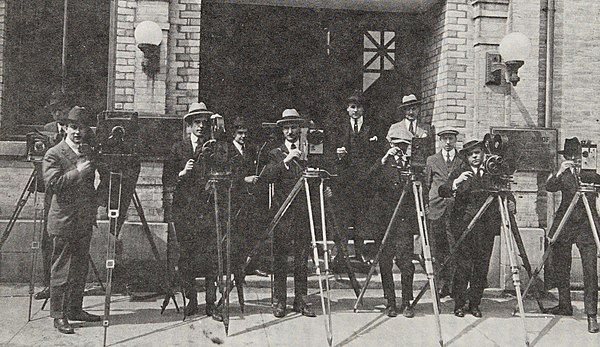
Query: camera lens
(39,146)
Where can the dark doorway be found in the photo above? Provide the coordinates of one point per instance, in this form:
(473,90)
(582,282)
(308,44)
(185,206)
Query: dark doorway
(33,54)
(259,60)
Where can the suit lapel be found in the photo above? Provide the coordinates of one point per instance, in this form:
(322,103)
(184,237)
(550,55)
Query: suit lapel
(68,153)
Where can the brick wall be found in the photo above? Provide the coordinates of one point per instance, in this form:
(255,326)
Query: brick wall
(2,35)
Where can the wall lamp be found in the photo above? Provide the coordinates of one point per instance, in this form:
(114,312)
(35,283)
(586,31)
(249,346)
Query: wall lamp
(513,50)
(148,36)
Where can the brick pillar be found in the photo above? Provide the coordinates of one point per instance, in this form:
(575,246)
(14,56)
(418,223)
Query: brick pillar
(2,35)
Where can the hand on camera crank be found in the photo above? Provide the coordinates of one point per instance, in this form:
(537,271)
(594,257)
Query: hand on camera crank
(188,167)
(251,179)
(294,154)
(392,152)
(564,166)
(462,178)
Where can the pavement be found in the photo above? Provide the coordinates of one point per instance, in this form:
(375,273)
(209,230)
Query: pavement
(139,323)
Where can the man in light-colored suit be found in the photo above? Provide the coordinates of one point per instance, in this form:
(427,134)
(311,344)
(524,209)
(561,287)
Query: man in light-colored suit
(69,178)
(439,166)
(409,125)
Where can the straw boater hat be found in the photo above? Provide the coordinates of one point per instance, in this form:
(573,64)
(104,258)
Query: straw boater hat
(470,146)
(409,100)
(572,147)
(196,110)
(290,116)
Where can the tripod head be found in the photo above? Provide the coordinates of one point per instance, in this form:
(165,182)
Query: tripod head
(310,172)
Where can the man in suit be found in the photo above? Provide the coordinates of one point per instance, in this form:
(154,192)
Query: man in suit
(193,210)
(292,234)
(58,108)
(243,179)
(439,166)
(358,143)
(409,125)
(577,231)
(388,179)
(69,178)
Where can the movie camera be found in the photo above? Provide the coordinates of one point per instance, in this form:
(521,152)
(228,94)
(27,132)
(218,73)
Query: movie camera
(311,140)
(497,162)
(117,134)
(38,144)
(215,150)
(589,151)
(415,158)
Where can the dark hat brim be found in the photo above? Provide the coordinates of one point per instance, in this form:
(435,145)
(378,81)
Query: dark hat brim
(448,131)
(469,146)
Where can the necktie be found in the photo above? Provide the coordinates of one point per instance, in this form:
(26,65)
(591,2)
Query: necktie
(411,128)
(293,146)
(355,126)
(242,149)
(448,161)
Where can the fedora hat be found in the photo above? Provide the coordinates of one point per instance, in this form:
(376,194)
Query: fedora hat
(77,115)
(408,100)
(469,146)
(447,131)
(572,147)
(290,116)
(196,110)
(239,123)
(356,97)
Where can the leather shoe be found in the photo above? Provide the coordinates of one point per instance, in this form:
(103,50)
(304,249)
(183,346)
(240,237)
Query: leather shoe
(475,311)
(191,308)
(407,310)
(593,324)
(279,310)
(84,316)
(392,311)
(560,310)
(444,292)
(459,312)
(63,326)
(303,309)
(43,294)
(214,312)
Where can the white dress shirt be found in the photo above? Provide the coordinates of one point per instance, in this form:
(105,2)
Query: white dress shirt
(358,121)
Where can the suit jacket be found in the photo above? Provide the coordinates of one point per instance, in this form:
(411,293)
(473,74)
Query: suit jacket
(469,197)
(73,205)
(190,190)
(283,178)
(422,130)
(363,149)
(241,165)
(567,184)
(436,174)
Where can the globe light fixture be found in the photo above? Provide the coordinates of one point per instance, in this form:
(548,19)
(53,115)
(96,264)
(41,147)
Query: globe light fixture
(513,50)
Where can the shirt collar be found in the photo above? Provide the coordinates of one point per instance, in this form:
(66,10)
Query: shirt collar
(452,153)
(358,121)
(288,144)
(72,145)
(194,138)
(238,146)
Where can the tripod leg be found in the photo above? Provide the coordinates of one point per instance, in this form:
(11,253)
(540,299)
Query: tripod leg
(457,244)
(114,204)
(96,273)
(316,257)
(35,246)
(523,254)
(228,282)
(343,250)
(590,216)
(420,210)
(510,249)
(381,247)
(326,259)
(282,210)
(551,243)
(22,201)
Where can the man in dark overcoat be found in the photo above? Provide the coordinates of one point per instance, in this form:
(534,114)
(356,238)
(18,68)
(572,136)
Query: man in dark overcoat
(193,210)
(576,231)
(292,234)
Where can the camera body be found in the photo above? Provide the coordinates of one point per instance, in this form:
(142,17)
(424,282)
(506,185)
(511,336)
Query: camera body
(589,155)
(38,144)
(117,134)
(216,150)
(311,141)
